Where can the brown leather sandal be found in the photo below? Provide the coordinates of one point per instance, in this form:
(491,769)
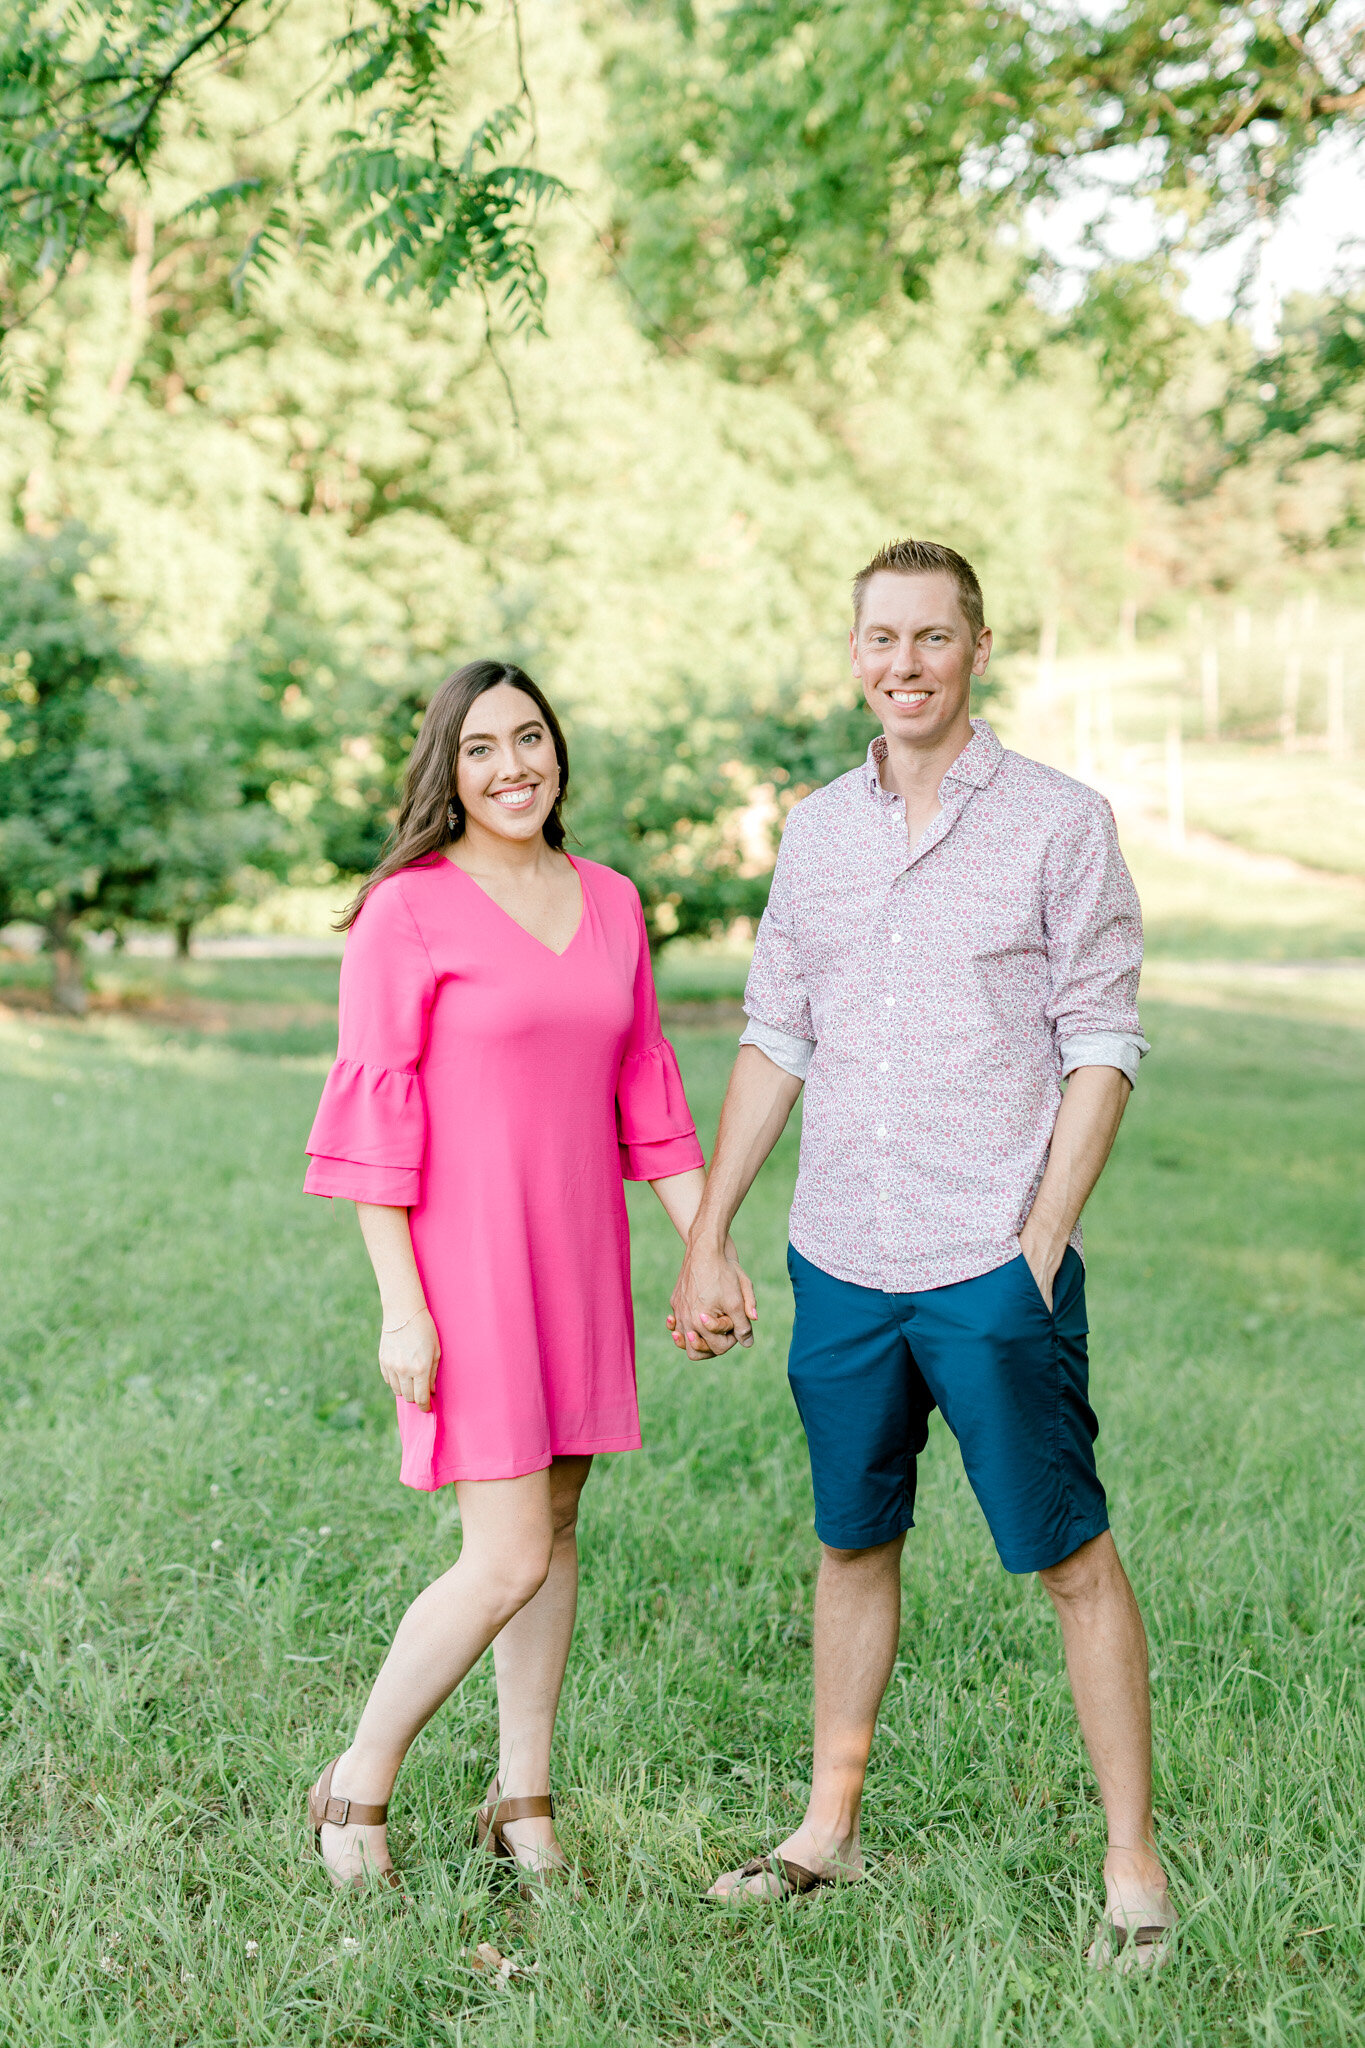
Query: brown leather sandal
(794,1881)
(489,1822)
(1121,1948)
(326,1809)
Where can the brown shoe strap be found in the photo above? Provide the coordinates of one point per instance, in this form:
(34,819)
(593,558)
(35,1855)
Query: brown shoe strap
(1140,1937)
(539,1806)
(793,1878)
(328,1809)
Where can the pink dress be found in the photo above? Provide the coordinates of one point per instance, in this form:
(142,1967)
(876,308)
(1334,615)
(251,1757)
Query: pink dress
(500,1092)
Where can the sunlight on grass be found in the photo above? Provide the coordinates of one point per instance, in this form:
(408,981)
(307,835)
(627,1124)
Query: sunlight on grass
(206,1550)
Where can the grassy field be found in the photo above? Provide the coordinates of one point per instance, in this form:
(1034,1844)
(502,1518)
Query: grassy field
(205,1551)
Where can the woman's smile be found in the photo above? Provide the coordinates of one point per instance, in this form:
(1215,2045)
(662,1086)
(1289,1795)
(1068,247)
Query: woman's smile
(516,799)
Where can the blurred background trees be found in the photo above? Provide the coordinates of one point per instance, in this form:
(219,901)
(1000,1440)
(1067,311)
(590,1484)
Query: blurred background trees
(116,805)
(271,340)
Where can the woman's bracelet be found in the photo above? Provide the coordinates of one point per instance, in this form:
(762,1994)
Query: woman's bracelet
(392,1329)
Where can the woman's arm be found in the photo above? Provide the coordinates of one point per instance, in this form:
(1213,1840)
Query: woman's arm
(681,1195)
(409,1348)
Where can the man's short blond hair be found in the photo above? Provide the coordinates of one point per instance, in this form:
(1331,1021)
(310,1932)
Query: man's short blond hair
(925,558)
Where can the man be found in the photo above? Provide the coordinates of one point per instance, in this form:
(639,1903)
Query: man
(951,933)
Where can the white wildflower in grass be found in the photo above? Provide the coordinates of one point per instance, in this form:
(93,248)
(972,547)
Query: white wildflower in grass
(253,1948)
(325,1530)
(350,1944)
(217,1543)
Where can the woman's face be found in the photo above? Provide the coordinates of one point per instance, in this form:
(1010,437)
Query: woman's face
(506,773)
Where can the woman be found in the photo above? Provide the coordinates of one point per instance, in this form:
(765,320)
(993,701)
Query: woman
(500,1068)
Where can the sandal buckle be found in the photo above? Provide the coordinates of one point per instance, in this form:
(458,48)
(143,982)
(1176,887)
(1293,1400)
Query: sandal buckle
(339,1820)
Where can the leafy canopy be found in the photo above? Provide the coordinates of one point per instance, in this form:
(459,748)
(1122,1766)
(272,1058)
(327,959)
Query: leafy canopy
(826,151)
(88,94)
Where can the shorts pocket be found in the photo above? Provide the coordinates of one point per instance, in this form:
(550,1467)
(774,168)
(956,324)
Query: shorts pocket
(1034,1289)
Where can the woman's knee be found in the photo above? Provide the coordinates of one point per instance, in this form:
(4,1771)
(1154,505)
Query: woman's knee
(511,1582)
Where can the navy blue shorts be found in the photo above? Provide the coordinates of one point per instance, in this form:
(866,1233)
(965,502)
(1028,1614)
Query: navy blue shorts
(1011,1378)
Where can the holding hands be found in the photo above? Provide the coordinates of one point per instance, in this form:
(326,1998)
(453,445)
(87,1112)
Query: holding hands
(713,1306)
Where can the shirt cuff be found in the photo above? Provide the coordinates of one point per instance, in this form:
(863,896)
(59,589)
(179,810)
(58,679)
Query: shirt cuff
(1121,1049)
(793,1055)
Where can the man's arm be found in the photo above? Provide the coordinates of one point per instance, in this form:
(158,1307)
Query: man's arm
(709,1310)
(1087,1125)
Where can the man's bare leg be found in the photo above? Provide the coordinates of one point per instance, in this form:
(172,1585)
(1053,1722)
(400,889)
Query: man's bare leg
(1106,1661)
(857,1626)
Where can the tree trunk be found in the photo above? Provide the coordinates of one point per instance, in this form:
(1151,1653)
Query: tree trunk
(68,963)
(184,931)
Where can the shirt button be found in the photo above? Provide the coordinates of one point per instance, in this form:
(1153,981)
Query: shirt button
(891,1002)
(881,1130)
(895,938)
(882,1066)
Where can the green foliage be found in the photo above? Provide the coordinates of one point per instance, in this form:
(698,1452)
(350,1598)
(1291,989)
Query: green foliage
(85,91)
(113,805)
(89,95)
(316,503)
(829,156)
(660,804)
(440,226)
(1305,400)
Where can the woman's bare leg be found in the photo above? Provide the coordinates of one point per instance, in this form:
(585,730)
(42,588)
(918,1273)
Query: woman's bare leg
(508,1537)
(529,1656)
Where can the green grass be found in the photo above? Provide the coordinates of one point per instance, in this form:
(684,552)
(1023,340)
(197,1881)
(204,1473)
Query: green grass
(1195,909)
(205,1551)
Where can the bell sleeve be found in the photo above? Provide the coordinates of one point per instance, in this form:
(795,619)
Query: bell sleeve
(654,1125)
(369,1135)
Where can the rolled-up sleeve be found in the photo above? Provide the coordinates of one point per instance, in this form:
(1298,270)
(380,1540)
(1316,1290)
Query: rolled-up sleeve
(368,1138)
(1093,923)
(654,1125)
(775,998)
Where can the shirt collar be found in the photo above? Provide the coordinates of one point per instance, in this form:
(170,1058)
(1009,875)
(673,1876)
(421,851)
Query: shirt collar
(975,765)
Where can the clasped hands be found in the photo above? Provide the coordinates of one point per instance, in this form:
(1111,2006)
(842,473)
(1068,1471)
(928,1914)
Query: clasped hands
(713,1305)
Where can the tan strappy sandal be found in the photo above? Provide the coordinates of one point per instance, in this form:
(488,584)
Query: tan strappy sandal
(489,1822)
(325,1809)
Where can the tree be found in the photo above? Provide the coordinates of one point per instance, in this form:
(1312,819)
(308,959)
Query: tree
(664,805)
(690,807)
(1303,401)
(114,805)
(825,156)
(90,94)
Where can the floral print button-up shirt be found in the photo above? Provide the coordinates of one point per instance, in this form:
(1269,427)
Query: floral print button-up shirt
(933,999)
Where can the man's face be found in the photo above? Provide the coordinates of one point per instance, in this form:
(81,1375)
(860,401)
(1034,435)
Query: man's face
(915,656)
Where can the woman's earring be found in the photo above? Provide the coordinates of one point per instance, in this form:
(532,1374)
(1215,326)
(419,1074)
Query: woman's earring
(452,816)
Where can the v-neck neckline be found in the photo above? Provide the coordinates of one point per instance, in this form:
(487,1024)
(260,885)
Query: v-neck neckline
(582,907)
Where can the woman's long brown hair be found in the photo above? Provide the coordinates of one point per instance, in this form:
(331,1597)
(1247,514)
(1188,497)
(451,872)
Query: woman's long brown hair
(422,827)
